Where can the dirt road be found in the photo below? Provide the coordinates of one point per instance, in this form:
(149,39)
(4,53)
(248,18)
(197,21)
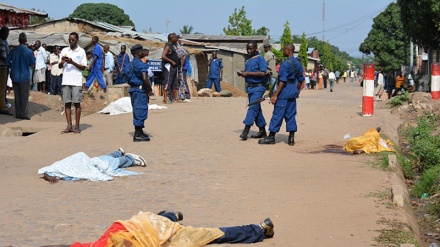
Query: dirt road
(315,194)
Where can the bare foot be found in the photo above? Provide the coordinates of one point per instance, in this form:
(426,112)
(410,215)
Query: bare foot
(50,179)
(358,151)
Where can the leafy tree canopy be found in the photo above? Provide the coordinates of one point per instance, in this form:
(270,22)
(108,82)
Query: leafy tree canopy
(103,12)
(286,38)
(187,29)
(302,54)
(421,21)
(387,40)
(241,26)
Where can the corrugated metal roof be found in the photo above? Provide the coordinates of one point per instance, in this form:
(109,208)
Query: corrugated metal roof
(225,38)
(21,11)
(51,39)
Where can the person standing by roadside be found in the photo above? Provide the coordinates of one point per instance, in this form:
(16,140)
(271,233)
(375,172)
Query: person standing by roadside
(170,65)
(19,61)
(400,81)
(215,72)
(325,76)
(284,99)
(123,66)
(313,79)
(307,77)
(344,76)
(255,78)
(271,64)
(73,60)
(332,79)
(56,72)
(380,85)
(48,69)
(96,69)
(109,65)
(352,75)
(4,51)
(40,67)
(391,83)
(140,90)
(338,75)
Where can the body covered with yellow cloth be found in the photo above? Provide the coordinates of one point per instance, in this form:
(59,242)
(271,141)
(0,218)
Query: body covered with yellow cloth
(369,142)
(151,230)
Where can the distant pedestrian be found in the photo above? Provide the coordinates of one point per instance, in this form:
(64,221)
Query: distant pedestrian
(380,85)
(270,58)
(96,67)
(4,51)
(40,67)
(313,79)
(307,77)
(391,83)
(344,76)
(352,75)
(338,75)
(73,60)
(332,79)
(123,66)
(400,82)
(56,72)
(170,67)
(325,77)
(215,72)
(48,69)
(109,66)
(20,61)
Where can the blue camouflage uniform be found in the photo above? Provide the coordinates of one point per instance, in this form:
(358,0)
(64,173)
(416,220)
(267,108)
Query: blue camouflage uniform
(255,87)
(138,94)
(96,72)
(285,106)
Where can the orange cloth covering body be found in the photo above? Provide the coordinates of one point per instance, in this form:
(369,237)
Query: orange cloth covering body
(150,230)
(369,142)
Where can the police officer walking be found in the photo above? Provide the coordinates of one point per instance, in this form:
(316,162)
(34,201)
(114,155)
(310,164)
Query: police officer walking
(284,99)
(255,78)
(140,90)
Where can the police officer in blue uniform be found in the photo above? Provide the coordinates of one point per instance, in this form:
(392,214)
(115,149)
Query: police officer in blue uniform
(140,90)
(255,78)
(215,74)
(284,99)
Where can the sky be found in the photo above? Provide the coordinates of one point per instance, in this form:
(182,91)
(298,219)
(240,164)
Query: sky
(347,22)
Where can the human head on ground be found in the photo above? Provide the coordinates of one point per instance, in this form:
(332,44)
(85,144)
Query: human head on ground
(266,47)
(251,47)
(123,49)
(137,51)
(4,33)
(173,38)
(22,39)
(73,40)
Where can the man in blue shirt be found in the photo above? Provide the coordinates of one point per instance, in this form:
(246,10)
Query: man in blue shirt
(140,90)
(19,60)
(123,66)
(215,73)
(255,78)
(284,99)
(96,69)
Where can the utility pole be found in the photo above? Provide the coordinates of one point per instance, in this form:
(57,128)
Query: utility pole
(323,21)
(166,23)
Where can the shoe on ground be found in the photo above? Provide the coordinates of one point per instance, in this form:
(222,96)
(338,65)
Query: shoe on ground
(122,151)
(259,135)
(138,160)
(267,140)
(178,214)
(138,137)
(267,226)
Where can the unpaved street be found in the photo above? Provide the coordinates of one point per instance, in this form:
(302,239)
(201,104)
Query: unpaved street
(315,194)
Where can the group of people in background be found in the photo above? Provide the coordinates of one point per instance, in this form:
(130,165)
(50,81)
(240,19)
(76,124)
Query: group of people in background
(393,83)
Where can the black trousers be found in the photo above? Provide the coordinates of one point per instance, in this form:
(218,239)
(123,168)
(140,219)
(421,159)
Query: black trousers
(21,95)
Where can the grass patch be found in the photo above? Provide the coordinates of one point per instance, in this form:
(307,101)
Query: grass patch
(381,162)
(398,100)
(395,234)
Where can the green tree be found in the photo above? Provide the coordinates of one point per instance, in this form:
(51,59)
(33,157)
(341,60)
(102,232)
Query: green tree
(33,20)
(302,54)
(286,38)
(239,25)
(327,57)
(387,40)
(103,12)
(421,21)
(186,29)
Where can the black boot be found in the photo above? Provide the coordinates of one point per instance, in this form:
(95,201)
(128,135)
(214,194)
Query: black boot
(270,139)
(138,135)
(291,140)
(261,133)
(145,134)
(244,134)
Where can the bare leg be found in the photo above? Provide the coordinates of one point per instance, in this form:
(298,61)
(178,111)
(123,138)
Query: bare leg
(77,117)
(176,97)
(50,179)
(43,87)
(165,96)
(68,111)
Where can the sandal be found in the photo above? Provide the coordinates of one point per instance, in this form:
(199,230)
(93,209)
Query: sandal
(77,131)
(67,130)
